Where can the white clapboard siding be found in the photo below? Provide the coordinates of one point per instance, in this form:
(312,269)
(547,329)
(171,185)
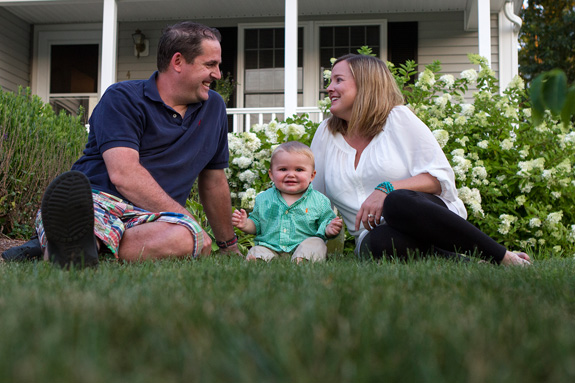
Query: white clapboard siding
(14,52)
(445,40)
(129,66)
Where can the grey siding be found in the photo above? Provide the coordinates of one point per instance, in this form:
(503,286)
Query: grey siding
(445,40)
(15,36)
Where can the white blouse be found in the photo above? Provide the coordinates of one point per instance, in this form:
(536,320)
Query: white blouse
(405,148)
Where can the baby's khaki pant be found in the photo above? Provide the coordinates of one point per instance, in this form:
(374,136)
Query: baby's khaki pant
(313,249)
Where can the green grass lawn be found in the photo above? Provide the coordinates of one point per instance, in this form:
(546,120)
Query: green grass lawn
(226,320)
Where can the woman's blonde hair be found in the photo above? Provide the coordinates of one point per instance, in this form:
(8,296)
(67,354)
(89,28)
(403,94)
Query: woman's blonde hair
(377,95)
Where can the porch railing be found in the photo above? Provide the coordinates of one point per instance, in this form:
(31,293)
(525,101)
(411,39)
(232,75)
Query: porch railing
(243,118)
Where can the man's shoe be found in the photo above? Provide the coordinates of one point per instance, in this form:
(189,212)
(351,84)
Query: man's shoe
(30,251)
(68,218)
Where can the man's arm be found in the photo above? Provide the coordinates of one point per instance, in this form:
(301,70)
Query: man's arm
(215,197)
(137,185)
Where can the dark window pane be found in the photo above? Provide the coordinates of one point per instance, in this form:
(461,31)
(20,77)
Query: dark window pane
(357,36)
(251,38)
(266,38)
(279,58)
(341,37)
(74,68)
(251,59)
(325,55)
(372,36)
(300,57)
(266,59)
(326,36)
(279,37)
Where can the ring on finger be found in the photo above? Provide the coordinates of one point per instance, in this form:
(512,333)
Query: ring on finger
(370,216)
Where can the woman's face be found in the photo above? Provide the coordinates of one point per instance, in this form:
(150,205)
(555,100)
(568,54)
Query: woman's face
(342,90)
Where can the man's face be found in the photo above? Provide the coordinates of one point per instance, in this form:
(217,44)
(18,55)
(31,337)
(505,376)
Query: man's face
(199,75)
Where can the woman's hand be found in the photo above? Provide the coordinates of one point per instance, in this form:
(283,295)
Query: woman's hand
(370,211)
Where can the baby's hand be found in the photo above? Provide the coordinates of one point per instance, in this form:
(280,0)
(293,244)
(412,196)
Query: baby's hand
(334,227)
(239,219)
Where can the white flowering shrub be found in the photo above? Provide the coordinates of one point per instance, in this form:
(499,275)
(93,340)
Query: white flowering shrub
(516,179)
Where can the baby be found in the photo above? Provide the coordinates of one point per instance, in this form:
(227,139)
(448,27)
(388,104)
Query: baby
(290,217)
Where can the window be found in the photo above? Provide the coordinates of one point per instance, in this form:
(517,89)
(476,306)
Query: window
(264,67)
(73,77)
(336,41)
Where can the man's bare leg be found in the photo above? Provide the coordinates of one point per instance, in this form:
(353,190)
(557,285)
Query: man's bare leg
(156,240)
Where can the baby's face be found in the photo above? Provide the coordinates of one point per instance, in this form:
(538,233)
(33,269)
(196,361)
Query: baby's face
(292,173)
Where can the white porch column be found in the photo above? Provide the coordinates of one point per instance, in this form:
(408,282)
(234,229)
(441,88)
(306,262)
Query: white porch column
(484,29)
(290,67)
(109,39)
(509,25)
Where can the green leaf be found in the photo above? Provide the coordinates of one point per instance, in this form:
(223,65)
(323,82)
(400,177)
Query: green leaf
(569,106)
(554,91)
(536,95)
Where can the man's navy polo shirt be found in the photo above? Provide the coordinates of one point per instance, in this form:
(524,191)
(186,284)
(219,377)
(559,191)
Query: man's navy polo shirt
(173,149)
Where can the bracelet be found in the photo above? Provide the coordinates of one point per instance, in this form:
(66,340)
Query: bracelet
(224,244)
(385,187)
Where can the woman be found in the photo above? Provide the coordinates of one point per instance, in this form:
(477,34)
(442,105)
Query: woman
(385,172)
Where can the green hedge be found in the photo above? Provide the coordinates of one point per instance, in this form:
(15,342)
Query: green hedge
(36,144)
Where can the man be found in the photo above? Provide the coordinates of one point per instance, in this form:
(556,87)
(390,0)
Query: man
(149,140)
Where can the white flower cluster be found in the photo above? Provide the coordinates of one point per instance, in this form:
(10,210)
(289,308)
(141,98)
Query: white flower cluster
(553,219)
(517,83)
(442,136)
(448,80)
(470,75)
(462,164)
(472,198)
(506,222)
(248,198)
(443,100)
(527,167)
(479,176)
(425,80)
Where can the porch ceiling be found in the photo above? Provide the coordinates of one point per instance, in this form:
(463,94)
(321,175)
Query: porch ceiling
(86,11)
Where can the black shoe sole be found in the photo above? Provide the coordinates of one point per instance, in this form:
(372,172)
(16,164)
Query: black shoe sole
(68,218)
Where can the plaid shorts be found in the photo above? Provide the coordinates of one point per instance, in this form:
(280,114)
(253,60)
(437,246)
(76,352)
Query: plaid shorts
(113,216)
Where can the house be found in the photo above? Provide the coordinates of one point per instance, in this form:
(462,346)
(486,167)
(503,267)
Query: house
(69,51)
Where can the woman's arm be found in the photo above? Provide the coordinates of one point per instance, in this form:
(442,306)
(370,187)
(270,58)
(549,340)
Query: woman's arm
(373,205)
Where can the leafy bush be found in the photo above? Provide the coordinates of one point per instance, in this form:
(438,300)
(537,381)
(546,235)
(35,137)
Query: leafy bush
(36,144)
(516,179)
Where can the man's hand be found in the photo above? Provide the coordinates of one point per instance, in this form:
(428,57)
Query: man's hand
(207,247)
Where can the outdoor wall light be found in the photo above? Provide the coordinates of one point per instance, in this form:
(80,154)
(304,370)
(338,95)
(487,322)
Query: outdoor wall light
(141,44)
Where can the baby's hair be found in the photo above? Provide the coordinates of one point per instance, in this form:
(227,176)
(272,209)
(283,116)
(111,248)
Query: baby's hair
(293,147)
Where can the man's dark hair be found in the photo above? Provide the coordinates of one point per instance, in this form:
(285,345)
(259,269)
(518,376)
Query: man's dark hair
(185,37)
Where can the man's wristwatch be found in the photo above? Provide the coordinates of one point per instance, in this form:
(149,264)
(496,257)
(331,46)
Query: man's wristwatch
(225,244)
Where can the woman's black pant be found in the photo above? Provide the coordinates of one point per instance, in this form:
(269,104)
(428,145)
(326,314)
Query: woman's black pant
(420,224)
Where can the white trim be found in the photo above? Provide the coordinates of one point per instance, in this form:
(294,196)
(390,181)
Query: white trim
(290,58)
(508,51)
(484,30)
(47,35)
(109,42)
